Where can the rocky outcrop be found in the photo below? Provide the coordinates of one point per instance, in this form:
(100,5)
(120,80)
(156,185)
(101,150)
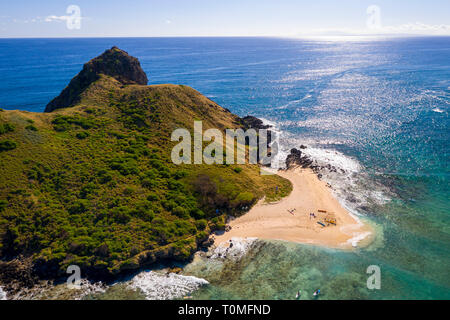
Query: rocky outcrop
(113,62)
(17,274)
(251,122)
(297,158)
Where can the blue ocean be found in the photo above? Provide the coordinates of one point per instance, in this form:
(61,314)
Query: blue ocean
(375,108)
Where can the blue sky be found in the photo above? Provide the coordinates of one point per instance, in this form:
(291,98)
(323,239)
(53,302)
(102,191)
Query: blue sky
(140,18)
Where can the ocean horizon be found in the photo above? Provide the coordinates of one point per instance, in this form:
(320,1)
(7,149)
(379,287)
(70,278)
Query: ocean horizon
(373,115)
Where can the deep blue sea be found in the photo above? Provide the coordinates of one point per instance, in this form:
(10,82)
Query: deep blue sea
(377,109)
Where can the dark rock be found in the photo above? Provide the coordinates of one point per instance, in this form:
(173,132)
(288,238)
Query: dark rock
(364,208)
(251,122)
(296,158)
(302,146)
(17,274)
(176,270)
(113,62)
(207,243)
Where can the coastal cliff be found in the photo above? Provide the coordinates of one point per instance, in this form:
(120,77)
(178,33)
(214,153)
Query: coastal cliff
(90,181)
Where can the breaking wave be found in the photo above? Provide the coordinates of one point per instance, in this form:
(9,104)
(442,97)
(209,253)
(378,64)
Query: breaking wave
(159,286)
(2,294)
(350,182)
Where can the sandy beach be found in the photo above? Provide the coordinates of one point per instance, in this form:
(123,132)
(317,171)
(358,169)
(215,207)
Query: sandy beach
(290,219)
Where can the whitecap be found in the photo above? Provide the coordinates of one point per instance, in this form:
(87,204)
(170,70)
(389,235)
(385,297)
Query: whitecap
(159,286)
(88,288)
(438,110)
(324,157)
(350,183)
(2,294)
(358,238)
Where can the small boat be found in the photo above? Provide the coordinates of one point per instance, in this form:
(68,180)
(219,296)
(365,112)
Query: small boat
(321,223)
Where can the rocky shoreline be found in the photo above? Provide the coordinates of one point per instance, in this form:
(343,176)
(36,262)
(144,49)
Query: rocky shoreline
(297,158)
(21,278)
(17,274)
(21,275)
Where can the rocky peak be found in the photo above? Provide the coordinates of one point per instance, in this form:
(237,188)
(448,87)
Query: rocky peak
(113,62)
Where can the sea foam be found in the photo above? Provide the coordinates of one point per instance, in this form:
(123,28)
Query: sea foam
(2,294)
(159,286)
(348,178)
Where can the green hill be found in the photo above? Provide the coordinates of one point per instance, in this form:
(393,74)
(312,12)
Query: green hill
(91,183)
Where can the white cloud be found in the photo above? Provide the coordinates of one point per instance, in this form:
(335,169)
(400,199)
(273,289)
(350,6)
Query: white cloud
(33,20)
(56,18)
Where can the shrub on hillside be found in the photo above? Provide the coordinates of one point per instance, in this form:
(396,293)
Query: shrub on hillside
(6,127)
(82,135)
(31,128)
(3,204)
(6,145)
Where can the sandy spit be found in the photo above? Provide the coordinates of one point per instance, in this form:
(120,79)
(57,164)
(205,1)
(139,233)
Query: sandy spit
(290,219)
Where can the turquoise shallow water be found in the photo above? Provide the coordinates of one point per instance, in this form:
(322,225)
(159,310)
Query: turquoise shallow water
(275,270)
(378,110)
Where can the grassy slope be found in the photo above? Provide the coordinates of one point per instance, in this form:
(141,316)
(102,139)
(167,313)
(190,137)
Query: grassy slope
(93,185)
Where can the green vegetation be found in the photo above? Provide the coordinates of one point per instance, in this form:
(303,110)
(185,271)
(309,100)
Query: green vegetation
(95,186)
(6,127)
(3,204)
(31,127)
(64,123)
(238,170)
(82,135)
(6,145)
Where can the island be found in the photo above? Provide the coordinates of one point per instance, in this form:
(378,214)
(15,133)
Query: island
(90,182)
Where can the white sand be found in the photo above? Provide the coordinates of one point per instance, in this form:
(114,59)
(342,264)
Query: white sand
(309,194)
